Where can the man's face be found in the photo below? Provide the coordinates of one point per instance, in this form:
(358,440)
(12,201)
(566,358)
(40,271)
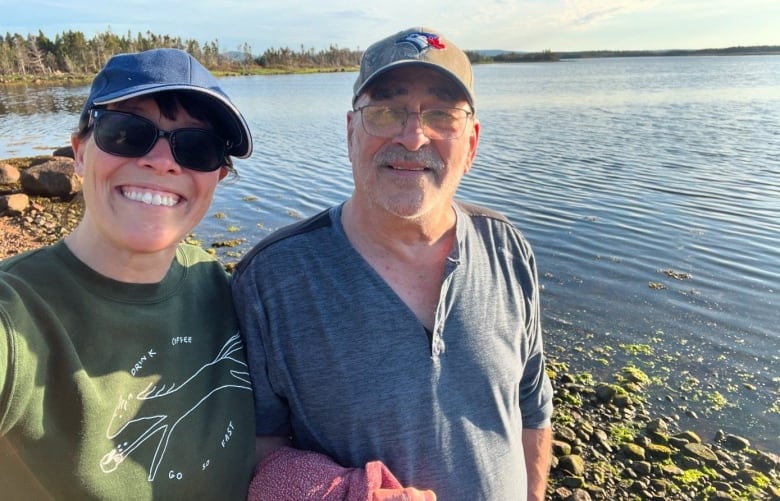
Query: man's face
(410,175)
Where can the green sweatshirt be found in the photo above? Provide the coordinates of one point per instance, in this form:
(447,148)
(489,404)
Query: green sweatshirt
(111,390)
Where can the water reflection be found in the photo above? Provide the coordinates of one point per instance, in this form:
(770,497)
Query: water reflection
(28,100)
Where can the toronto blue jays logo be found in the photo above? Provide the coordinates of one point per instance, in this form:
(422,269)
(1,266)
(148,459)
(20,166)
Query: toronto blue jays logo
(422,41)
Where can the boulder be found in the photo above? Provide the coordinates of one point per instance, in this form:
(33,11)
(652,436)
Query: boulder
(65,151)
(54,178)
(701,453)
(13,205)
(9,174)
(572,464)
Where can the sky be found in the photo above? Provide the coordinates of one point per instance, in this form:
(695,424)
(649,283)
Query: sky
(516,25)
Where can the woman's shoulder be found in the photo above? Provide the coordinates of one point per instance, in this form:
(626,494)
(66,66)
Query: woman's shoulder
(200,263)
(33,254)
(31,259)
(189,254)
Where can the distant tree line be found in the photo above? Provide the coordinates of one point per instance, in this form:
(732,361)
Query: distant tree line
(72,53)
(333,57)
(527,57)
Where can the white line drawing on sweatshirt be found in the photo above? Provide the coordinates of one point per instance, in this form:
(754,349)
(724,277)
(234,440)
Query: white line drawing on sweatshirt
(148,425)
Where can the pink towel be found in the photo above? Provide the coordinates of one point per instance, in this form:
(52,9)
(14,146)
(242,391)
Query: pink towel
(293,475)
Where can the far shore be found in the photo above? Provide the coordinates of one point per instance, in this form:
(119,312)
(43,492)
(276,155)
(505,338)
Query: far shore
(85,79)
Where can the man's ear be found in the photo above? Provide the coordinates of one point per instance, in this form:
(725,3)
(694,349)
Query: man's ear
(350,125)
(473,142)
(78,154)
(223,171)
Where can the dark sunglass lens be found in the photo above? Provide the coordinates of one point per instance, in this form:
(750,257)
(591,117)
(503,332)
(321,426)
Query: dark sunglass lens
(198,149)
(124,135)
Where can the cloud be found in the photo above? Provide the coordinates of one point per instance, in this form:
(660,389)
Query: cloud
(588,13)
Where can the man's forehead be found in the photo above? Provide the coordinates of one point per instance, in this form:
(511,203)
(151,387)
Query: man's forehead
(400,80)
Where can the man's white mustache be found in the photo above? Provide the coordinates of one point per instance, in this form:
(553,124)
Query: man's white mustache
(425,157)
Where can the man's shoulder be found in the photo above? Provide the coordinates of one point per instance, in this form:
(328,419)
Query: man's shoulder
(490,225)
(318,221)
(477,211)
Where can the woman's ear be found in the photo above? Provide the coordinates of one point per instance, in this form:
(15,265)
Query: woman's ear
(78,154)
(223,171)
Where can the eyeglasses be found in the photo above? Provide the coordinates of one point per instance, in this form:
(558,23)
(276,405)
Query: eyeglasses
(127,135)
(436,123)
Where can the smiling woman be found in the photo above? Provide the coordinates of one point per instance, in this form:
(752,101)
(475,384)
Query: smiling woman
(117,340)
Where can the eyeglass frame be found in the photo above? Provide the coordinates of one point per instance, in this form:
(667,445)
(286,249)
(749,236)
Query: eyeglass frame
(94,114)
(420,114)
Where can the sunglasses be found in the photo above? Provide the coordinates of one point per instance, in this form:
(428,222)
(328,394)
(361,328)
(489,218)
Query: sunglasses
(127,135)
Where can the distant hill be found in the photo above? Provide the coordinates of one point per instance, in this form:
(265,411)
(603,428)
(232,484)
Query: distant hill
(507,56)
(736,51)
(495,52)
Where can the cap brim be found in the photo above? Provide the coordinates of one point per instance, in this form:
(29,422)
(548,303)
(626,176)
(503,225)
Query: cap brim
(242,147)
(412,62)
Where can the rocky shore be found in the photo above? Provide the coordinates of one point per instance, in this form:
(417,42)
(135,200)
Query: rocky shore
(608,444)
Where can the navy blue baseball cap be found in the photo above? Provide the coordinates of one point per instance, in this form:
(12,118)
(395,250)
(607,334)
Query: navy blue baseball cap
(126,76)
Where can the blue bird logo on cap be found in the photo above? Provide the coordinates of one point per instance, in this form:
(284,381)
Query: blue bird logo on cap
(422,41)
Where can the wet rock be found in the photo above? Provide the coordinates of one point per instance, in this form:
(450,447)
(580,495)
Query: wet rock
(720,486)
(606,392)
(579,495)
(689,463)
(657,425)
(720,496)
(671,470)
(642,468)
(658,438)
(701,453)
(561,448)
(752,477)
(633,451)
(566,434)
(572,464)
(573,482)
(601,438)
(689,437)
(659,452)
(622,401)
(677,443)
(766,461)
(736,443)
(661,486)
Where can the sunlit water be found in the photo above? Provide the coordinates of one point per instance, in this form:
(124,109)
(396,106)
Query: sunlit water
(623,173)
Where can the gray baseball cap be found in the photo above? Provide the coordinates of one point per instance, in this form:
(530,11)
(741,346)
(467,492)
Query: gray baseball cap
(415,46)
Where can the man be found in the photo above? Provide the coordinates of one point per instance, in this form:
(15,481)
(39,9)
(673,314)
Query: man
(403,326)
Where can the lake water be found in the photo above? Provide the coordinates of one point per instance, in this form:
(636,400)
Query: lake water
(649,188)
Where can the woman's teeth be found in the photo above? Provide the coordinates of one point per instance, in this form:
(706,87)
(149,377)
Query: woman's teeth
(151,198)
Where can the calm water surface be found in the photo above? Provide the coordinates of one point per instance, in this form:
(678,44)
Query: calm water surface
(623,173)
